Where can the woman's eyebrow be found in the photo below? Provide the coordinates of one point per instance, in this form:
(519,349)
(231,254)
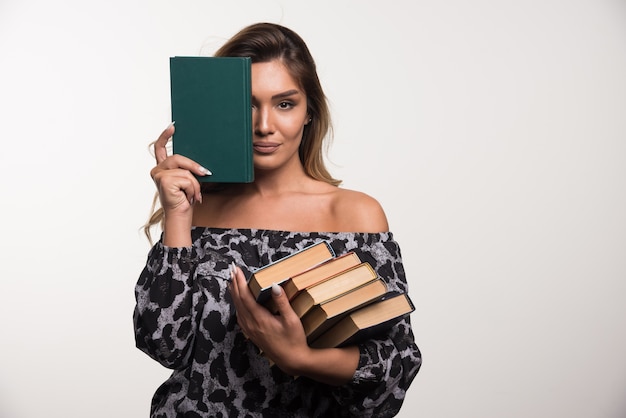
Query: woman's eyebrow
(285,94)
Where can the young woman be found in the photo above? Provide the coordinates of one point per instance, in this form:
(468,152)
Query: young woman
(195,313)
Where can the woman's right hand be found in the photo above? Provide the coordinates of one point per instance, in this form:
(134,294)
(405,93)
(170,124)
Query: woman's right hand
(174,177)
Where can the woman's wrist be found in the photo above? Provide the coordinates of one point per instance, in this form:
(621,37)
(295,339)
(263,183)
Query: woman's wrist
(333,366)
(177,230)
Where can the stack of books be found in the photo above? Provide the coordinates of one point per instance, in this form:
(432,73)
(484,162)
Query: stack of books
(339,299)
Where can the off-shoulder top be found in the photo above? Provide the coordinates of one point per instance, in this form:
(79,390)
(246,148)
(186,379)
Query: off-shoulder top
(184,319)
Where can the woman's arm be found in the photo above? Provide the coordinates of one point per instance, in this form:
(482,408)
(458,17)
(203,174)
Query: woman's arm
(168,306)
(388,363)
(168,300)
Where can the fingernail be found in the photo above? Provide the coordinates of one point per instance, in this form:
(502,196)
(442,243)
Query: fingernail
(205,171)
(170,125)
(191,201)
(276,289)
(232,270)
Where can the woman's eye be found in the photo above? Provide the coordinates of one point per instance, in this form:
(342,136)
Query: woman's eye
(285,105)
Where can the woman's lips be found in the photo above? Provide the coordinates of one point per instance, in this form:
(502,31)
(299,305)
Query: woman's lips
(265,147)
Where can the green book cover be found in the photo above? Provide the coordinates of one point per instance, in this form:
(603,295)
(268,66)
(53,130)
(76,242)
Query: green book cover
(211,105)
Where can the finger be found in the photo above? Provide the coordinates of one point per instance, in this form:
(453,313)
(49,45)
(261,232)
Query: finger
(281,302)
(180,161)
(255,313)
(240,291)
(241,286)
(172,165)
(172,183)
(234,290)
(160,152)
(233,287)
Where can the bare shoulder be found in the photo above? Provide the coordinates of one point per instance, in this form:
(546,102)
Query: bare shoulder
(358,212)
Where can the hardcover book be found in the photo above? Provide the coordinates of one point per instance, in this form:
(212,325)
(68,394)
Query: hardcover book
(366,322)
(298,283)
(260,282)
(321,317)
(331,288)
(211,105)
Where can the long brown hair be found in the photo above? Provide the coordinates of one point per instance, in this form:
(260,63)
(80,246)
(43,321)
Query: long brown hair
(265,42)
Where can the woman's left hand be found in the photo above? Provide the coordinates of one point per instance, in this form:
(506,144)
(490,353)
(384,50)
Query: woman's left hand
(281,337)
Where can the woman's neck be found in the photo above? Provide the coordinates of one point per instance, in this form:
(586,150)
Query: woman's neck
(279,181)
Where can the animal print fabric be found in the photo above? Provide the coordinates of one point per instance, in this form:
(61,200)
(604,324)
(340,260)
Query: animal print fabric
(184,319)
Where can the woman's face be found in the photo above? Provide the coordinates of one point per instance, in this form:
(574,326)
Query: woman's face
(279,114)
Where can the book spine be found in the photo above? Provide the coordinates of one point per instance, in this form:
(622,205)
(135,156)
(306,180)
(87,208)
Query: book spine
(295,254)
(248,101)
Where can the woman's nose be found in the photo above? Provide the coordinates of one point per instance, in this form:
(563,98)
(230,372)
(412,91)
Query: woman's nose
(262,121)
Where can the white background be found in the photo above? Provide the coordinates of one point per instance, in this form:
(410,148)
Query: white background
(493,133)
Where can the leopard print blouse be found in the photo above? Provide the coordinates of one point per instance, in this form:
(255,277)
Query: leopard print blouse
(184,319)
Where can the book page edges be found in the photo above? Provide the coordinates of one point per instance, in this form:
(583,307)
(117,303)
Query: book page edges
(308,278)
(261,281)
(290,261)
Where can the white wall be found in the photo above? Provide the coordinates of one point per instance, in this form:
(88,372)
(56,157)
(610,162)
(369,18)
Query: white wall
(493,132)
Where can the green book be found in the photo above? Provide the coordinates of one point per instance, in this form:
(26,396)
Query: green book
(211,105)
